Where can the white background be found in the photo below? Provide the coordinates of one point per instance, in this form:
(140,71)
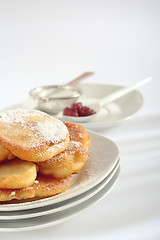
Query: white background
(50,42)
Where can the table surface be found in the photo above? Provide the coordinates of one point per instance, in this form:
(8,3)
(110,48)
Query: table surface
(50,42)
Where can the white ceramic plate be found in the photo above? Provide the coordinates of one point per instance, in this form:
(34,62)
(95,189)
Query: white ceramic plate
(115,112)
(104,155)
(59,217)
(36,212)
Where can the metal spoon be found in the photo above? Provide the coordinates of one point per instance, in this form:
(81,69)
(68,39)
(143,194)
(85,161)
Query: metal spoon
(106,100)
(60,88)
(81,77)
(54,98)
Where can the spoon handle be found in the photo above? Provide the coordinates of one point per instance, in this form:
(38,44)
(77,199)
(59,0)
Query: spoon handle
(81,77)
(114,96)
(73,82)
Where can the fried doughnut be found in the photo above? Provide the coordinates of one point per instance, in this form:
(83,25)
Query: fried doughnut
(78,133)
(65,163)
(32,135)
(17,173)
(44,186)
(5,155)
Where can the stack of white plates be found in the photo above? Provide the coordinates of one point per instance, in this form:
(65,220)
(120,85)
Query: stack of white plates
(87,187)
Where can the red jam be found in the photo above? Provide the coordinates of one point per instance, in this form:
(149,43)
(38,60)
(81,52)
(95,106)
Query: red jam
(78,110)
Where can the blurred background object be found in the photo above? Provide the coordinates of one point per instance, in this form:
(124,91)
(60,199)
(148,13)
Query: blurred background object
(51,42)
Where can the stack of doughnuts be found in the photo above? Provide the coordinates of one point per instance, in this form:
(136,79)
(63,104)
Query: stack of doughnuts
(38,154)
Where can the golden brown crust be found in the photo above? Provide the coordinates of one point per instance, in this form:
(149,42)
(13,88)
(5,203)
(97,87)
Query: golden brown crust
(78,133)
(65,163)
(58,149)
(32,135)
(5,154)
(36,154)
(43,187)
(16,173)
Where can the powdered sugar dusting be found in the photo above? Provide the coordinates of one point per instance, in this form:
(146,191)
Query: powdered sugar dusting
(12,194)
(50,130)
(36,182)
(76,131)
(76,146)
(17,116)
(34,123)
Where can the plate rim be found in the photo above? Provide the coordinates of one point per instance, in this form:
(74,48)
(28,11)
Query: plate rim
(88,194)
(109,123)
(89,125)
(90,202)
(41,203)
